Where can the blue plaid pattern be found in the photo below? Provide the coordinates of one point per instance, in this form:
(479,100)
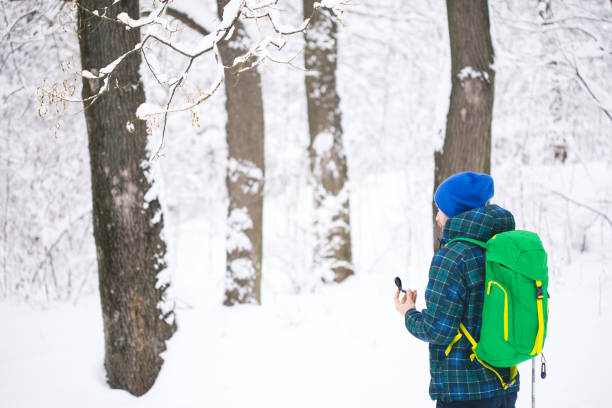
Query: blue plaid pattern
(455,294)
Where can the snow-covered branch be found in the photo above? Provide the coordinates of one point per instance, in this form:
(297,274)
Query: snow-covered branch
(151,21)
(270,12)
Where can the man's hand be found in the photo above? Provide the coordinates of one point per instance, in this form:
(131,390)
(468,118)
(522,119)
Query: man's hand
(407,302)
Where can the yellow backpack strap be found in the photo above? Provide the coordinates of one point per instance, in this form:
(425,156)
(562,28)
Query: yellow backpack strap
(513,373)
(467,334)
(458,337)
(537,347)
(513,370)
(452,343)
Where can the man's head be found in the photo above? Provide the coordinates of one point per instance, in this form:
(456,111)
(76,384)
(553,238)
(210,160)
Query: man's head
(462,192)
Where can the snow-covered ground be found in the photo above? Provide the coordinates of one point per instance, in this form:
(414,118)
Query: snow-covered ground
(308,344)
(336,346)
(340,347)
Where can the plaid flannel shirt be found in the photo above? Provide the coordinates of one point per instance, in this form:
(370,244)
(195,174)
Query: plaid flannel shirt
(455,294)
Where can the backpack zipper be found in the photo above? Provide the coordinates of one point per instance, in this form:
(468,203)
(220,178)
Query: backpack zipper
(505,306)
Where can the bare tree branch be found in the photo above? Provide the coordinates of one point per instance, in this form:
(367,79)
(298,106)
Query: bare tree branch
(603,215)
(26,15)
(188,21)
(585,85)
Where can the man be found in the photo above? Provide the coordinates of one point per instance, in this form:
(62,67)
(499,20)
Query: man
(455,294)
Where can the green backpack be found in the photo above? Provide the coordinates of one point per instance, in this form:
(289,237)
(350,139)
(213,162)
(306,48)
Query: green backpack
(515,309)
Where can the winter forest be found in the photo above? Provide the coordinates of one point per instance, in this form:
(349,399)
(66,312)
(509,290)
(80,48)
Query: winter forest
(205,203)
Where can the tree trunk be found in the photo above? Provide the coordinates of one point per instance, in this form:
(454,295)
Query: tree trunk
(332,257)
(467,145)
(128,221)
(245,172)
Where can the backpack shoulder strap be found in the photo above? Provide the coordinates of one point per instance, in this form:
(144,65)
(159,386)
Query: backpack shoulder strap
(473,241)
(462,331)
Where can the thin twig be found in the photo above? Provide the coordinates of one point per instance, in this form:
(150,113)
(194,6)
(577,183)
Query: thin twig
(603,215)
(28,14)
(49,250)
(588,89)
(188,21)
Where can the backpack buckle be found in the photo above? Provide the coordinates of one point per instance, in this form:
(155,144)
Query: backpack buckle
(539,292)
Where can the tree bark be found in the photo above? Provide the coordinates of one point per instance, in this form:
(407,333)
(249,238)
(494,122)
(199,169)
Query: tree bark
(128,221)
(328,165)
(245,173)
(467,144)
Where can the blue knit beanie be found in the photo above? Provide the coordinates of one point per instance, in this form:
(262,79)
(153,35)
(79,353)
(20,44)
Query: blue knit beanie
(462,192)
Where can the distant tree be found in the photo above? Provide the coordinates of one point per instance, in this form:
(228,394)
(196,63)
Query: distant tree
(328,165)
(467,144)
(245,172)
(128,219)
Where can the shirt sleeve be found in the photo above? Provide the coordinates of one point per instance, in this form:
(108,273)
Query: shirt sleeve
(444,298)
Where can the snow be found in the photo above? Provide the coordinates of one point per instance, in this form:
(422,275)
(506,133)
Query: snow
(146,110)
(238,167)
(131,23)
(308,344)
(88,75)
(469,72)
(346,342)
(156,217)
(238,222)
(111,67)
(152,17)
(275,17)
(319,36)
(242,269)
(323,143)
(230,11)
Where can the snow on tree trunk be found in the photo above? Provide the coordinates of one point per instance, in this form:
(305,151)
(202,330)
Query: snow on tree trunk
(332,257)
(128,220)
(467,144)
(245,173)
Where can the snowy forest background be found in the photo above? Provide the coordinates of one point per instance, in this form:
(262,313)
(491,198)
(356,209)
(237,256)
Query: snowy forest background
(308,342)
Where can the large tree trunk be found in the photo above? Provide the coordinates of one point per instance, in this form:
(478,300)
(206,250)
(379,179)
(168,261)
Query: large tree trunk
(128,222)
(245,172)
(332,257)
(467,145)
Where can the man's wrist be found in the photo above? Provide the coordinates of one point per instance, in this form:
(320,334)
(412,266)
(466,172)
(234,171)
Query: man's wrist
(407,311)
(412,309)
